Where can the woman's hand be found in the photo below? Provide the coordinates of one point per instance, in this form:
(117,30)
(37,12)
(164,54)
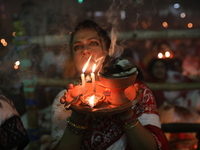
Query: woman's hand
(76,117)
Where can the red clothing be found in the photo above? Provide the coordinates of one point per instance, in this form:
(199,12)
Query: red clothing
(103,131)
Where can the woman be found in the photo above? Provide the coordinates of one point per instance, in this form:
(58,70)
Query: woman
(137,128)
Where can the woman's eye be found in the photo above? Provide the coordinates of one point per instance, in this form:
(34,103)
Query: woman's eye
(77,47)
(94,43)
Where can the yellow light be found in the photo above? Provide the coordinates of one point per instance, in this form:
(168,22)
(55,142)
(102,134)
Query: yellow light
(160,55)
(167,54)
(85,67)
(17,62)
(5,44)
(165,24)
(16,66)
(3,40)
(190,25)
(14,33)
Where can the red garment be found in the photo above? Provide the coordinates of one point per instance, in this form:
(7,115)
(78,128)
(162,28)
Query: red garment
(160,137)
(105,130)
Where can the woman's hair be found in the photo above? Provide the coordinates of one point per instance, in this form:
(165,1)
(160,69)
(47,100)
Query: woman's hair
(88,24)
(152,63)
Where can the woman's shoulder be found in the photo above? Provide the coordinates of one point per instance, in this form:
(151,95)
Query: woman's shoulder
(147,103)
(141,84)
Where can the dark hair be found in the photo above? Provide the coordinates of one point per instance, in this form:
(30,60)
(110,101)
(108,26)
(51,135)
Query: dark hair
(153,61)
(91,25)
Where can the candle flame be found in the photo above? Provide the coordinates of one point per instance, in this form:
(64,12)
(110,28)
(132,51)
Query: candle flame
(91,101)
(17,62)
(94,68)
(167,54)
(160,55)
(85,67)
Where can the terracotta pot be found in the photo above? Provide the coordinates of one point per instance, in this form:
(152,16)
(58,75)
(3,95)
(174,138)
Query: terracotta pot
(117,87)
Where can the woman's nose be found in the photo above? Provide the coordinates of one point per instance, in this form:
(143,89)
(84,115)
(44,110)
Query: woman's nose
(86,51)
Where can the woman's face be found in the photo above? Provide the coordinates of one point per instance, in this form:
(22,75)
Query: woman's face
(159,70)
(86,43)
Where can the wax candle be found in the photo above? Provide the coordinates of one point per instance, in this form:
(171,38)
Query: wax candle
(83,82)
(93,78)
(83,75)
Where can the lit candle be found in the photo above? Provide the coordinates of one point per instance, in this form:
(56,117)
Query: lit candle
(160,55)
(93,78)
(83,82)
(167,54)
(83,75)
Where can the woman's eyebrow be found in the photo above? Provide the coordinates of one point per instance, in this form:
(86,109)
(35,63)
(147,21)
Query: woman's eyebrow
(97,38)
(76,42)
(94,38)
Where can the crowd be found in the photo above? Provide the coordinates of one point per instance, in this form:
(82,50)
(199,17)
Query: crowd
(180,64)
(157,60)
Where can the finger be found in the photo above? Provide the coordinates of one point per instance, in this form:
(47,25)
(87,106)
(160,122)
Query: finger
(70,86)
(62,100)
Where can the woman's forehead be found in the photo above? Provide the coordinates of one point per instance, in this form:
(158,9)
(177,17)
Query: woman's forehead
(85,34)
(159,63)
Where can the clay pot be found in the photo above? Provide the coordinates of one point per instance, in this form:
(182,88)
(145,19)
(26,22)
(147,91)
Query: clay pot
(117,87)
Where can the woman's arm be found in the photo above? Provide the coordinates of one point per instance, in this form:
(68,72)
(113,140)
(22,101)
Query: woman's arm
(137,135)
(70,139)
(146,133)
(63,133)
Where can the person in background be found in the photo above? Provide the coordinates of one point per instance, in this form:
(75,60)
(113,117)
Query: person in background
(52,62)
(12,132)
(159,71)
(136,128)
(52,65)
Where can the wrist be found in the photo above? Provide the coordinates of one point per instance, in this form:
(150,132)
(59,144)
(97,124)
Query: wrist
(130,125)
(75,128)
(78,118)
(129,119)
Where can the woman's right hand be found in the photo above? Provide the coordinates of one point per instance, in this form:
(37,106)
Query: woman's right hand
(76,117)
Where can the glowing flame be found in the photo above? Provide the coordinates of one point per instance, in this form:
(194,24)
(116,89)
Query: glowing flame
(3,40)
(14,33)
(86,65)
(160,55)
(167,54)
(16,66)
(5,44)
(91,101)
(17,63)
(94,68)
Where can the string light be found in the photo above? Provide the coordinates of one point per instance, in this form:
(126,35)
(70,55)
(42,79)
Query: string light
(182,15)
(165,24)
(190,25)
